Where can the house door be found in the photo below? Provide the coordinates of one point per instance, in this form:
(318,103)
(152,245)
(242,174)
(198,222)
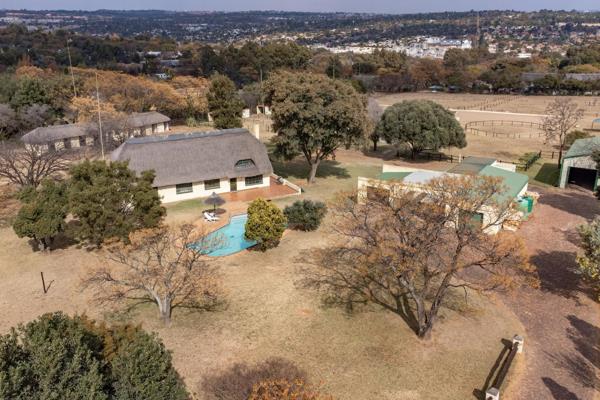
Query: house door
(233,185)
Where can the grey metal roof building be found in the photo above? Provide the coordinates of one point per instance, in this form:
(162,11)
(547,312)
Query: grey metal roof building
(196,156)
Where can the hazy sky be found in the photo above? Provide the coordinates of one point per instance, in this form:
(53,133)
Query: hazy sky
(383,6)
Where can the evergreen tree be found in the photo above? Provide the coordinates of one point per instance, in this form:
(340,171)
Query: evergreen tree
(110,201)
(265,224)
(72,358)
(422,124)
(29,91)
(224,104)
(43,213)
(314,116)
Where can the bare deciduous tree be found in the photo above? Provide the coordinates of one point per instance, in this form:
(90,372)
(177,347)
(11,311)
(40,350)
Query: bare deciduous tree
(30,165)
(562,115)
(375,111)
(162,266)
(407,252)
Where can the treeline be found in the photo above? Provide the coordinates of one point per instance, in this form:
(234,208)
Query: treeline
(32,97)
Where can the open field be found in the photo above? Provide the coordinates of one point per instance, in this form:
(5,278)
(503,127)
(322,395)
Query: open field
(496,103)
(521,109)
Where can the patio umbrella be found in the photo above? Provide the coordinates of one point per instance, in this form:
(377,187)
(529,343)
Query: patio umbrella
(214,200)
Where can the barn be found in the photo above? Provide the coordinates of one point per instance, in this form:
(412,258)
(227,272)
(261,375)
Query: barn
(578,167)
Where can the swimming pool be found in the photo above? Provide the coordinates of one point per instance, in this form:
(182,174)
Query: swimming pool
(228,239)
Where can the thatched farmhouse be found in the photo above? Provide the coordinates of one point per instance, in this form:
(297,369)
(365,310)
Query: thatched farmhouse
(71,136)
(192,165)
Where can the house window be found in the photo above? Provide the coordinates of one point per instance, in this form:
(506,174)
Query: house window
(183,188)
(243,164)
(212,184)
(254,180)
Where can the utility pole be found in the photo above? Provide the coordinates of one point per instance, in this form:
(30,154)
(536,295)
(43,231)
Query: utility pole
(71,68)
(99,119)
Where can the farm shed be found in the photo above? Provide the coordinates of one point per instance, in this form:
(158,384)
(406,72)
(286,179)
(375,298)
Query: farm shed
(578,167)
(395,178)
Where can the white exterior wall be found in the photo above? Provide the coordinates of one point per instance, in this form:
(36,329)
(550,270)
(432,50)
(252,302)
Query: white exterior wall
(579,162)
(489,213)
(168,194)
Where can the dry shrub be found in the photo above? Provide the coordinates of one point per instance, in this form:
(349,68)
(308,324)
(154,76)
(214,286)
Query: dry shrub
(283,389)
(237,382)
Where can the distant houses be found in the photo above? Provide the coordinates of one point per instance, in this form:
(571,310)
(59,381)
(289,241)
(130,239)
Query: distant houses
(193,165)
(72,136)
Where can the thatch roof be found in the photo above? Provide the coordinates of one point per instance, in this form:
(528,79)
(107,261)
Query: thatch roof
(197,156)
(53,133)
(137,120)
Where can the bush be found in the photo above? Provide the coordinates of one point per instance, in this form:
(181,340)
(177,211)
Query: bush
(237,382)
(265,224)
(62,357)
(285,390)
(305,215)
(573,136)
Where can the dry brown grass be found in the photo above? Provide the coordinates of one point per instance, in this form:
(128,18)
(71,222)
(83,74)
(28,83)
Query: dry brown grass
(371,354)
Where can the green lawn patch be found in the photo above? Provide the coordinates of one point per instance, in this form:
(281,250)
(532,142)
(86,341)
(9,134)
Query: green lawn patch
(544,173)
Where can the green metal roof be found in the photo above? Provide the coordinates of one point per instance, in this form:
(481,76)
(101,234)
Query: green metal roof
(472,165)
(394,176)
(583,147)
(514,181)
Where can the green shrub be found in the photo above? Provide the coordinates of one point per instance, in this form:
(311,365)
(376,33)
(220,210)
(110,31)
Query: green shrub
(573,136)
(265,224)
(305,215)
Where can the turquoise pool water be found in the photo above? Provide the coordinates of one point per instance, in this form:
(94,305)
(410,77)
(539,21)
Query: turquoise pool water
(229,239)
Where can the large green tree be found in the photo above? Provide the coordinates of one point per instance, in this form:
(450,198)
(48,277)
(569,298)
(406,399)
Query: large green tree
(313,116)
(422,124)
(224,103)
(110,201)
(30,91)
(72,358)
(43,213)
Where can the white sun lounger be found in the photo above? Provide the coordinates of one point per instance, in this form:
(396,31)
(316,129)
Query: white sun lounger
(210,217)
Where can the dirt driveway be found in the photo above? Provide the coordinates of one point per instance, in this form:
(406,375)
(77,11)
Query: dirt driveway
(562,347)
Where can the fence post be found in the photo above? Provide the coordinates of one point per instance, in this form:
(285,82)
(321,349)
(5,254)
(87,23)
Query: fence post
(518,341)
(492,394)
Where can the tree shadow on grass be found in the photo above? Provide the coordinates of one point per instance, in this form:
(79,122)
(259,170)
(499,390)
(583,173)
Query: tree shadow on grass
(236,382)
(558,391)
(548,174)
(299,169)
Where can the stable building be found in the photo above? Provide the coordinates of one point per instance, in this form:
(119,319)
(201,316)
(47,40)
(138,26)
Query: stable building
(578,167)
(194,165)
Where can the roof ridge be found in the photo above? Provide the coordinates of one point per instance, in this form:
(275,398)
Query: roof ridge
(184,136)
